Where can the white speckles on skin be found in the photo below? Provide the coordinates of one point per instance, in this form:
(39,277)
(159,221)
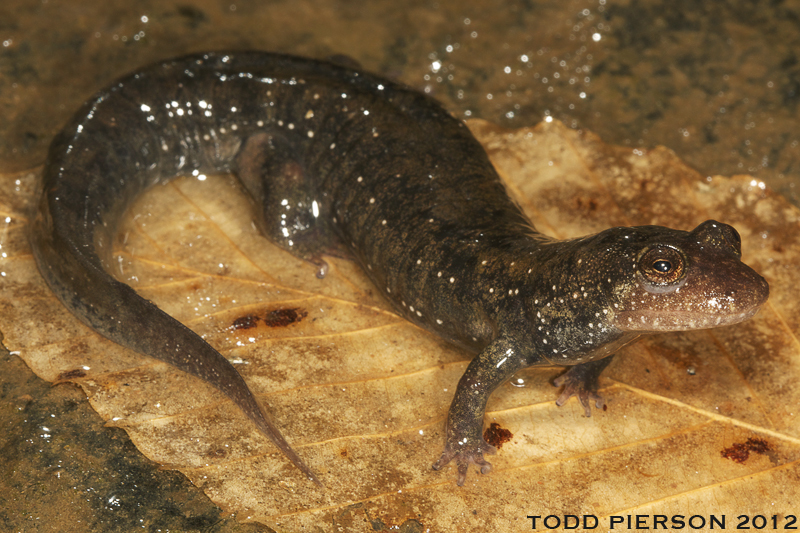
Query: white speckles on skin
(419,261)
(439,322)
(290,126)
(369,267)
(439,274)
(483,262)
(403,303)
(575,295)
(388,290)
(544,341)
(419,314)
(430,220)
(516,291)
(359,179)
(554,287)
(452,280)
(309,114)
(260,123)
(491,291)
(411,308)
(333,145)
(316,96)
(383,222)
(580,261)
(372,200)
(310,134)
(530,270)
(510,292)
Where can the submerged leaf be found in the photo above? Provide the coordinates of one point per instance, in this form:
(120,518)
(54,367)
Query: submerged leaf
(363,394)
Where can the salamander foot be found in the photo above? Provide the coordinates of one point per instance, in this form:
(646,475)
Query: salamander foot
(464,455)
(580,381)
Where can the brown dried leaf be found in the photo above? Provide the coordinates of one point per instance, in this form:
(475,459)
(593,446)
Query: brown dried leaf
(362,394)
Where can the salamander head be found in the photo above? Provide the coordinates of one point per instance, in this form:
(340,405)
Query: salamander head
(681,280)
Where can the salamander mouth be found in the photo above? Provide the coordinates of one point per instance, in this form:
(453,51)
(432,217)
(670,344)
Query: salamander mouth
(654,320)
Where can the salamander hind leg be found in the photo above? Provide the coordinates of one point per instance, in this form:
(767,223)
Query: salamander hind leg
(581,381)
(288,210)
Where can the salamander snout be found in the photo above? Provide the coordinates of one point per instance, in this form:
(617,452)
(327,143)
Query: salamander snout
(691,280)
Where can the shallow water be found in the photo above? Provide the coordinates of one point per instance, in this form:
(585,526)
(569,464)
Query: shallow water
(716,82)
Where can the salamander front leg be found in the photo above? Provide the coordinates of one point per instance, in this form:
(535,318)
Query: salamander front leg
(581,381)
(464,441)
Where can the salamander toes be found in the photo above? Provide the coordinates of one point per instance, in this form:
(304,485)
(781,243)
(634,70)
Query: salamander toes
(585,390)
(463,457)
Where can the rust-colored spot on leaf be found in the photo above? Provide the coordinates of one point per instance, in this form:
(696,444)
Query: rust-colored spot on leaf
(496,435)
(276,318)
(741,451)
(280,318)
(246,322)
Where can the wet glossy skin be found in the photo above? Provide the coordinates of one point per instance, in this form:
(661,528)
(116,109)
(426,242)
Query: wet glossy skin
(343,162)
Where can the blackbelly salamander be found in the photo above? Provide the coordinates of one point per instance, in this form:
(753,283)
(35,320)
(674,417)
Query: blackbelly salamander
(341,161)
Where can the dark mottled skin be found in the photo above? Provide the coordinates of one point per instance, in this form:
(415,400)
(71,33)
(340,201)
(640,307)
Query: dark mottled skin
(342,162)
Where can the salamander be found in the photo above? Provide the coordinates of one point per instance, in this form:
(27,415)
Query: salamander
(339,161)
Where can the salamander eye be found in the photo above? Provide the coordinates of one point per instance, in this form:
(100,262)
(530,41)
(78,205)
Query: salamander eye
(662,265)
